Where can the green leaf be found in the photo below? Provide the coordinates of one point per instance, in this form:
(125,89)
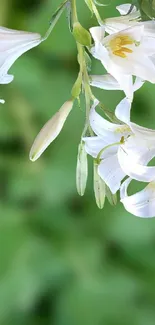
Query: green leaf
(55,18)
(89,5)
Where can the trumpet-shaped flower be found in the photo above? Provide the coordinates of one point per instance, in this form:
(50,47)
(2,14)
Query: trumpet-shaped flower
(141,204)
(13,44)
(120,149)
(125,54)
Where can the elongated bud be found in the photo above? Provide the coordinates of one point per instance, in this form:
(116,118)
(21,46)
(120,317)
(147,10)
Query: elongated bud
(81,169)
(99,188)
(81,35)
(50,131)
(112,198)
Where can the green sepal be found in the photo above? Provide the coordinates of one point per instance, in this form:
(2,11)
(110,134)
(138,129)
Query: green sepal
(76,90)
(112,198)
(81,35)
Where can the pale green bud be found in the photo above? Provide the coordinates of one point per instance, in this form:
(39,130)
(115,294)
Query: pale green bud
(50,131)
(81,35)
(99,188)
(112,198)
(81,169)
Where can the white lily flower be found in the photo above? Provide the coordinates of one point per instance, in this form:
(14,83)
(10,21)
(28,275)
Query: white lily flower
(50,131)
(141,204)
(120,149)
(13,44)
(125,54)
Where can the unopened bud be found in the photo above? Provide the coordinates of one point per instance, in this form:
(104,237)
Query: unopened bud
(99,188)
(81,169)
(81,35)
(50,131)
(112,198)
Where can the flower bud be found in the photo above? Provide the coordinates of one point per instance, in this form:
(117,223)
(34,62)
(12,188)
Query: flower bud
(112,198)
(50,131)
(99,188)
(81,35)
(81,169)
(13,44)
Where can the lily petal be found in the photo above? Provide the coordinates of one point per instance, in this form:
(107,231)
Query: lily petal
(133,156)
(122,111)
(125,8)
(106,81)
(110,132)
(93,145)
(110,171)
(141,204)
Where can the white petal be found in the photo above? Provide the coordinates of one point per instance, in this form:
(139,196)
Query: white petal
(93,145)
(141,204)
(142,132)
(125,8)
(122,111)
(97,33)
(7,79)
(124,80)
(143,67)
(110,171)
(12,45)
(106,81)
(50,131)
(138,83)
(114,25)
(149,28)
(131,161)
(2,101)
(110,132)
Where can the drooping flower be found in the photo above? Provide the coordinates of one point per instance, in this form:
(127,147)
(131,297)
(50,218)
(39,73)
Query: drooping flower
(120,149)
(141,204)
(13,44)
(50,131)
(125,54)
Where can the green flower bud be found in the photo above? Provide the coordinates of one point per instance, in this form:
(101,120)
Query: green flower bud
(81,35)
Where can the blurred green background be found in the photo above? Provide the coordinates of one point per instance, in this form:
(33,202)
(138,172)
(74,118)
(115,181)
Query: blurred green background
(62,260)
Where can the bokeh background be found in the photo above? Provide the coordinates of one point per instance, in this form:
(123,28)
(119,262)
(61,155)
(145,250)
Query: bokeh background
(62,260)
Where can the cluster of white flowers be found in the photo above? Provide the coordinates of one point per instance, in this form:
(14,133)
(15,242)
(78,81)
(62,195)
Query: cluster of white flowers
(125,45)
(124,149)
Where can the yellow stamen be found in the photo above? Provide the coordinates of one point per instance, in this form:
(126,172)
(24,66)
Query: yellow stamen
(117,45)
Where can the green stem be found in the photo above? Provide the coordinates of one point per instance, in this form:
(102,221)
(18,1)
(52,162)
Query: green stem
(74,11)
(54,19)
(98,158)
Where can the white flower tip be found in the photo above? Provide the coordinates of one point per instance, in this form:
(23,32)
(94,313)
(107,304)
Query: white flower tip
(2,101)
(50,131)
